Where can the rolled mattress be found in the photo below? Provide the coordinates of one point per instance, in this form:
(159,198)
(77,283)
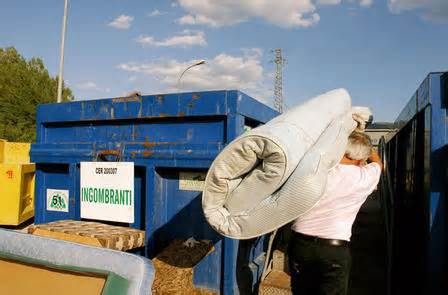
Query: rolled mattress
(274,173)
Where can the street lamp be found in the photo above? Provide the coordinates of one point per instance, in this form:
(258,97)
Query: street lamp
(201,62)
(61,62)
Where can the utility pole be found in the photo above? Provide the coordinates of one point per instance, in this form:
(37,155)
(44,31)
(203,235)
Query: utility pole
(61,61)
(278,105)
(278,84)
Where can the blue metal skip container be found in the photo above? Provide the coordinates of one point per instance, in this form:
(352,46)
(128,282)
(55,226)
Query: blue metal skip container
(417,163)
(166,136)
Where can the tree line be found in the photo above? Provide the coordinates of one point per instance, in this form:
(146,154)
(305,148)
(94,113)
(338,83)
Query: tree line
(24,84)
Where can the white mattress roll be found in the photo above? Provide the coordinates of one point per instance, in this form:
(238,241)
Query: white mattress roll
(303,188)
(254,166)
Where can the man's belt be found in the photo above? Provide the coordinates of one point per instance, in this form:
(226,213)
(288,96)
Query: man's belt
(331,242)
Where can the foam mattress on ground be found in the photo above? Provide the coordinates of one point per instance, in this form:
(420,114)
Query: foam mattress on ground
(137,271)
(274,173)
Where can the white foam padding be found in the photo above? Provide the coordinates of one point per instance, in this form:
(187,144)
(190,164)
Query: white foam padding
(274,173)
(138,270)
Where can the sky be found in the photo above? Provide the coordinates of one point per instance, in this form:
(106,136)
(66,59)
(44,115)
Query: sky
(379,50)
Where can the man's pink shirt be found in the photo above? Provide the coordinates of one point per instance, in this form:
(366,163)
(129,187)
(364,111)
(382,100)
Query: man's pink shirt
(348,186)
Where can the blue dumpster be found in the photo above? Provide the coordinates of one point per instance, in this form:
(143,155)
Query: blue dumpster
(417,168)
(170,138)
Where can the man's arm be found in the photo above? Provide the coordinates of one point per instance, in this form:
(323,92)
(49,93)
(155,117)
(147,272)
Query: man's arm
(375,158)
(369,175)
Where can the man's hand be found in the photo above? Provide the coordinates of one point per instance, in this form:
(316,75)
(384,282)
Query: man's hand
(375,158)
(360,121)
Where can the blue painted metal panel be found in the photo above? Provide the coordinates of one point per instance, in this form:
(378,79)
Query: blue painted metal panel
(438,141)
(424,97)
(419,100)
(208,272)
(408,112)
(163,135)
(248,108)
(424,192)
(144,107)
(444,90)
(438,207)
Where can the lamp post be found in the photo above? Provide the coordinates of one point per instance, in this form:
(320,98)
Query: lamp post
(61,62)
(201,62)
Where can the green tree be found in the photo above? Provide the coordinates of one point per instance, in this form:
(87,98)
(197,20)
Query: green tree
(23,86)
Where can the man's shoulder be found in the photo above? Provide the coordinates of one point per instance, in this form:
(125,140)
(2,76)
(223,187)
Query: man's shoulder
(349,168)
(372,168)
(361,178)
(345,169)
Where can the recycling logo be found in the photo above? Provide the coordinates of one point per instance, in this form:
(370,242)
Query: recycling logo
(57,200)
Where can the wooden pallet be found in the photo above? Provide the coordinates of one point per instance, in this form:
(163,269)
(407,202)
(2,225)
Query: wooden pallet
(276,283)
(91,233)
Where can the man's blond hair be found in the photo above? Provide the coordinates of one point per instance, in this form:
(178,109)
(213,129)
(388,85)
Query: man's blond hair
(359,146)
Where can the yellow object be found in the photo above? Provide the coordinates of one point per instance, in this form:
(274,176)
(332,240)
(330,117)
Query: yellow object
(16,183)
(27,278)
(14,152)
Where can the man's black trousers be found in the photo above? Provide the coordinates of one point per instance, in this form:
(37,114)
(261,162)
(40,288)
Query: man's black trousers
(317,267)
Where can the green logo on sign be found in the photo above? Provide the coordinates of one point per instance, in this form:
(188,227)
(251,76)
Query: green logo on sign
(58,202)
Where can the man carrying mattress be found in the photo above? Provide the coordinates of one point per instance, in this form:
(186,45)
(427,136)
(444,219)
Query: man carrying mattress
(319,256)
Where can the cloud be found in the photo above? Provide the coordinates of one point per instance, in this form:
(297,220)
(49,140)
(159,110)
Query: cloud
(87,86)
(363,3)
(187,38)
(432,10)
(328,2)
(155,12)
(366,3)
(122,22)
(217,13)
(397,6)
(224,71)
(91,86)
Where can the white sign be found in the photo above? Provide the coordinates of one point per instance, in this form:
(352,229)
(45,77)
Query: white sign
(107,191)
(191,181)
(57,200)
